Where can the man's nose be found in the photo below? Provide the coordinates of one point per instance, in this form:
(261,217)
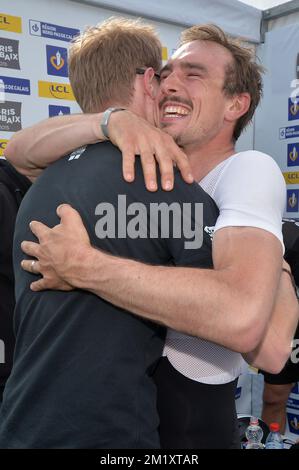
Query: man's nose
(170,84)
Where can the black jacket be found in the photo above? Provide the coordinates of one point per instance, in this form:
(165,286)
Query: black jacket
(13,187)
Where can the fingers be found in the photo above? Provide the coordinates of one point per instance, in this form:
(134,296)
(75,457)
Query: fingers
(38,229)
(31,249)
(31,266)
(39,285)
(68,215)
(46,284)
(148,163)
(183,165)
(128,165)
(167,171)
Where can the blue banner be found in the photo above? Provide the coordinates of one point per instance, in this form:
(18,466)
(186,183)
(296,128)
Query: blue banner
(19,86)
(58,110)
(52,31)
(293,109)
(288,132)
(57,61)
(292,200)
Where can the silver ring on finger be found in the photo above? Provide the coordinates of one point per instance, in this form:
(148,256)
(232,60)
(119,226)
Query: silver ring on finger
(32,266)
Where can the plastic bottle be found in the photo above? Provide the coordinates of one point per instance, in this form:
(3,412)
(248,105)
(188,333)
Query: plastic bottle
(274,439)
(254,434)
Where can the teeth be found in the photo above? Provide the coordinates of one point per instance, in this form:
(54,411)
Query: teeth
(175,110)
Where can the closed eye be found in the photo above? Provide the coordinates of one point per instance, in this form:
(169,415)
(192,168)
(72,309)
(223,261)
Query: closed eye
(196,75)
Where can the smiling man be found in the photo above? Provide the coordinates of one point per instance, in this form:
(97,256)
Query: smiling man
(89,384)
(208,93)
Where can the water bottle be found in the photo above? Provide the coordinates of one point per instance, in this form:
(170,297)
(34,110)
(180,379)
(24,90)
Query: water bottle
(254,434)
(274,439)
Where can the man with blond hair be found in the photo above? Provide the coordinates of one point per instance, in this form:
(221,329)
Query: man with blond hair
(82,373)
(208,93)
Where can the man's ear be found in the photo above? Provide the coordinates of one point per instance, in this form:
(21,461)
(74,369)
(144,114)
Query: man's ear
(238,105)
(151,84)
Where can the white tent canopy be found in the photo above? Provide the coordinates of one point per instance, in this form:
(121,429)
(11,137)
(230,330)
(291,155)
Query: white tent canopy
(233,16)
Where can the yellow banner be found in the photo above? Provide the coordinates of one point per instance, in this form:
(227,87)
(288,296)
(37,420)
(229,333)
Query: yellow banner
(59,91)
(10,23)
(3,143)
(291,177)
(164,53)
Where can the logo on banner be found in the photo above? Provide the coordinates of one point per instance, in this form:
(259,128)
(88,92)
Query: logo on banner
(3,143)
(60,91)
(164,53)
(53,31)
(293,423)
(292,200)
(19,86)
(10,116)
(2,91)
(293,404)
(293,108)
(58,110)
(57,61)
(10,23)
(238,392)
(288,132)
(293,154)
(291,177)
(9,53)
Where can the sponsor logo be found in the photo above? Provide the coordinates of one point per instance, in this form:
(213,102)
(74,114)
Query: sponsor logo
(293,423)
(10,23)
(58,110)
(60,91)
(293,154)
(164,53)
(292,200)
(291,177)
(19,86)
(57,61)
(288,132)
(53,31)
(238,393)
(9,53)
(10,116)
(293,108)
(76,153)
(3,143)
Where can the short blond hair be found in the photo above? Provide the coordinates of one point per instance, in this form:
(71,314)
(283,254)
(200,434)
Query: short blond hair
(244,75)
(104,58)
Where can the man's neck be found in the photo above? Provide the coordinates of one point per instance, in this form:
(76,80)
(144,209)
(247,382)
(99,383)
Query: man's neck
(204,159)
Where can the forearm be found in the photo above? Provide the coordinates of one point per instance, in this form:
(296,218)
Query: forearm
(275,348)
(34,148)
(198,302)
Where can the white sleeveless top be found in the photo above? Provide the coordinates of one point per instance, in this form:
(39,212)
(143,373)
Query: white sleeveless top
(249,190)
